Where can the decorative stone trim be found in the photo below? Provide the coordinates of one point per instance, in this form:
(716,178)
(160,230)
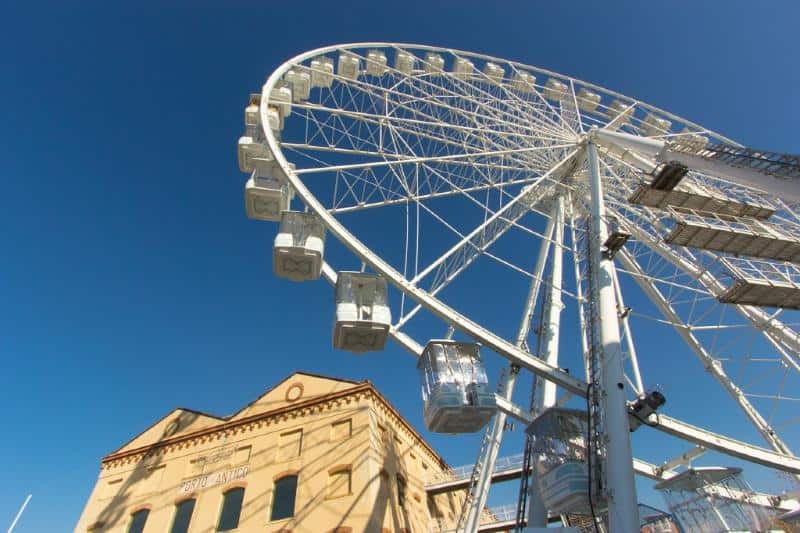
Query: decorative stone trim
(140,507)
(285,473)
(363,392)
(241,484)
(185,497)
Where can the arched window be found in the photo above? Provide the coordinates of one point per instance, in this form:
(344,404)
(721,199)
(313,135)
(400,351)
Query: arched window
(231,509)
(401,491)
(183,515)
(138,520)
(283,498)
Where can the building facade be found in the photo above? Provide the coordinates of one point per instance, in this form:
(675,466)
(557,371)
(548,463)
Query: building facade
(312,455)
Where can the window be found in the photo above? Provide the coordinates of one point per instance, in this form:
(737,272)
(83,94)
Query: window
(339,482)
(231,509)
(401,491)
(290,445)
(283,498)
(183,515)
(138,520)
(341,430)
(383,434)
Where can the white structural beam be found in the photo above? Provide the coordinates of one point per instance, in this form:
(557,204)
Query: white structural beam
(713,366)
(551,325)
(684,459)
(772,328)
(659,150)
(626,327)
(495,438)
(702,437)
(620,488)
(726,445)
(552,313)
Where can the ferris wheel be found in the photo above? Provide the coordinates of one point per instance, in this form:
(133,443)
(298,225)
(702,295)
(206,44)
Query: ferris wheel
(472,209)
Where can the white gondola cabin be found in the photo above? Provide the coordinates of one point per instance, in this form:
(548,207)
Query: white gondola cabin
(494,72)
(299,247)
(251,152)
(363,316)
(562,473)
(252,117)
(587,100)
(524,82)
(404,62)
(322,72)
(463,68)
(281,98)
(267,192)
(555,89)
(376,63)
(300,83)
(652,125)
(434,63)
(455,389)
(621,111)
(349,66)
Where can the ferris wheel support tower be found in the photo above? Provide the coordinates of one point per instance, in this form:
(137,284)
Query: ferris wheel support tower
(621,493)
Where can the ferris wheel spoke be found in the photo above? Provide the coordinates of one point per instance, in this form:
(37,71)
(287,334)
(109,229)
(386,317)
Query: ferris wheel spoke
(482,99)
(408,124)
(494,225)
(712,365)
(435,103)
(543,114)
(425,159)
(443,175)
(699,269)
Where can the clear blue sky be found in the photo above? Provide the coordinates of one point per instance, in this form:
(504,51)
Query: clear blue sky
(131,281)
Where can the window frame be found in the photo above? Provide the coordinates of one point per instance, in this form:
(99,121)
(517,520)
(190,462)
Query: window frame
(222,508)
(275,482)
(401,483)
(176,509)
(146,511)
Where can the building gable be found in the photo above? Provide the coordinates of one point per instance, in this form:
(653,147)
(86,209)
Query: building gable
(298,387)
(178,422)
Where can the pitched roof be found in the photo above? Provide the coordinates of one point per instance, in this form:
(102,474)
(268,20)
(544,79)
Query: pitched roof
(170,428)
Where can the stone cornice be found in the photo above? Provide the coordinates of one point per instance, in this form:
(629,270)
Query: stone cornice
(248,423)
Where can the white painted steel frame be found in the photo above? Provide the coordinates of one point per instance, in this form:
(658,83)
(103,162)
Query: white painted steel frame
(620,488)
(517,356)
(487,462)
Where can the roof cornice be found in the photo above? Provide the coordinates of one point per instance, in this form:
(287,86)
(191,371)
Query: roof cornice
(362,387)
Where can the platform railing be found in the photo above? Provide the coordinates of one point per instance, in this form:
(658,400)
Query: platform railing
(461,473)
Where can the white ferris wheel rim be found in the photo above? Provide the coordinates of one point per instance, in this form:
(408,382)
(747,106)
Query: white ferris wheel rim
(432,303)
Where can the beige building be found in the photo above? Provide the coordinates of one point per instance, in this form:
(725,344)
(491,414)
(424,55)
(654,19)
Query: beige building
(313,454)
